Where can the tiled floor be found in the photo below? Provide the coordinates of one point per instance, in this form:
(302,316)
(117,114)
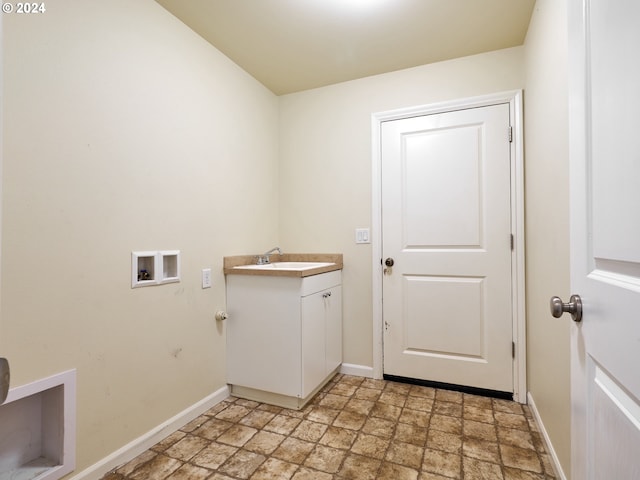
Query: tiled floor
(355,428)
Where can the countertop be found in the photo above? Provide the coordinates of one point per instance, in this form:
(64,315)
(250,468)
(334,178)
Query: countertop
(336,258)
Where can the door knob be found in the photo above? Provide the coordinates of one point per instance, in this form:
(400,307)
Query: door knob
(389,262)
(574,307)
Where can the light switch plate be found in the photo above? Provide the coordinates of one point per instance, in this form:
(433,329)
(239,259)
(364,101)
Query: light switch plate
(206,278)
(362,235)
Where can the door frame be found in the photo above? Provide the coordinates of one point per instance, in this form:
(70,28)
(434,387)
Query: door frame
(514,99)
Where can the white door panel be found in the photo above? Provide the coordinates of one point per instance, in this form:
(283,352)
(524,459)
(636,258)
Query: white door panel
(616,412)
(448,176)
(446,217)
(438,298)
(605,237)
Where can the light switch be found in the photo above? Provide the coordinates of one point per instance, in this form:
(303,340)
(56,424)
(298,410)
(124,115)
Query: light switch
(362,235)
(206,278)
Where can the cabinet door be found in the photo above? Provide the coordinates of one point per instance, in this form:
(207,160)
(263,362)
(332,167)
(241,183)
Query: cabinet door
(263,333)
(333,326)
(313,342)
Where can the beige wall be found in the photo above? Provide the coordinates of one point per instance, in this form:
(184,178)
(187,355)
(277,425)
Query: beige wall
(547,219)
(123,131)
(326,161)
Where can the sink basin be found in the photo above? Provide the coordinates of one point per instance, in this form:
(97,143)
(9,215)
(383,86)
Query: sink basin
(294,266)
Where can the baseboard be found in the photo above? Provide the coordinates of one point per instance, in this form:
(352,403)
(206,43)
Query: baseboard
(556,463)
(149,439)
(356,370)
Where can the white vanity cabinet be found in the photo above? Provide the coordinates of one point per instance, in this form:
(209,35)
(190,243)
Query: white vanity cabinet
(284,336)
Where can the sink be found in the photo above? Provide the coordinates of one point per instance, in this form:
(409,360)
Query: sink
(293,266)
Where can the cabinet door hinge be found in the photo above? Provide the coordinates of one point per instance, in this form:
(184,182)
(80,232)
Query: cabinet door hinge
(513,349)
(510,134)
(512,240)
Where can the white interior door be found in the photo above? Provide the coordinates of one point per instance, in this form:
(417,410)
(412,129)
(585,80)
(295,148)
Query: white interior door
(605,237)
(446,225)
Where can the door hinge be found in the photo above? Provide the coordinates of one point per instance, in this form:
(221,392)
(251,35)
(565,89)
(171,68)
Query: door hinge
(513,349)
(510,134)
(512,241)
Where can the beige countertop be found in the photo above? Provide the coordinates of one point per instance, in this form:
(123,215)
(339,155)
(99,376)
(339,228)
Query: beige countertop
(239,260)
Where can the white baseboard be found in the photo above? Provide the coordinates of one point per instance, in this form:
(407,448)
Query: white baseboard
(554,457)
(149,439)
(356,370)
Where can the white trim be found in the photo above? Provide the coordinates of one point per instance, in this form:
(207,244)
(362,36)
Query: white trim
(149,439)
(514,99)
(376,242)
(548,445)
(518,254)
(356,370)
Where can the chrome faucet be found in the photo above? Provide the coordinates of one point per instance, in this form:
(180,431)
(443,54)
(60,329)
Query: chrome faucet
(264,258)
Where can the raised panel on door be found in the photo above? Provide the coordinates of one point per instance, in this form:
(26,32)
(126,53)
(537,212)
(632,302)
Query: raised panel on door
(614,424)
(450,304)
(442,188)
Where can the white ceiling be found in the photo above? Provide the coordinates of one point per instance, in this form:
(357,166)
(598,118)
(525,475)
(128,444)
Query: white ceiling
(294,45)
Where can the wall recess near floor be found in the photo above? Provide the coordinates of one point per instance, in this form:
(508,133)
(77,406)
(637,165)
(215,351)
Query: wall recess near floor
(37,429)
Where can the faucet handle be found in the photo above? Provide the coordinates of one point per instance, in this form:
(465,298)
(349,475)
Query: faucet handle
(262,259)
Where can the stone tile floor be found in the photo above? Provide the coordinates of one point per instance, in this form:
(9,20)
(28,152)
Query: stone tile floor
(355,428)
